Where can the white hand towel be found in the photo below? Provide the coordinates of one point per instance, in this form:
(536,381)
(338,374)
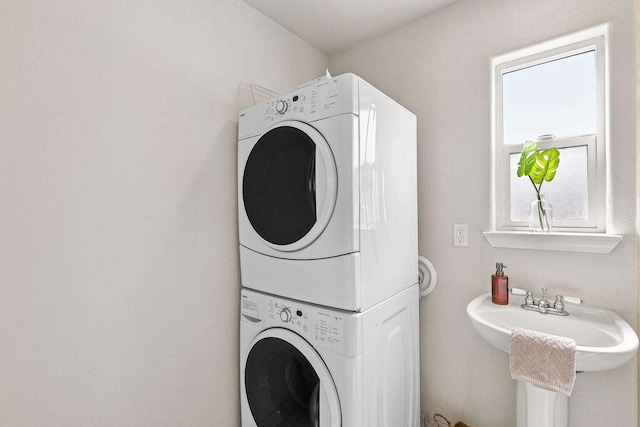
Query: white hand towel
(547,361)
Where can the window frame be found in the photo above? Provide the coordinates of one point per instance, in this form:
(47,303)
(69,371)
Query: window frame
(593,39)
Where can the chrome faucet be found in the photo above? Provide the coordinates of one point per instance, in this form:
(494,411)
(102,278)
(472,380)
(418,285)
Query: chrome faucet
(545,306)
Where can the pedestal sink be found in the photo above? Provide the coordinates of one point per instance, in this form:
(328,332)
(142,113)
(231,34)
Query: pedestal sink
(603,341)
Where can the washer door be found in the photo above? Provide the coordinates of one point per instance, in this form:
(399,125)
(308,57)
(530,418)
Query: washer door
(289,185)
(287,384)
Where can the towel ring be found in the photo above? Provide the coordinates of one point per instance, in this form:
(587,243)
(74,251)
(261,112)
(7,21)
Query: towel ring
(427,276)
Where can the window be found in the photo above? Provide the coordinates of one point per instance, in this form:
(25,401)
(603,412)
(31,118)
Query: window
(554,94)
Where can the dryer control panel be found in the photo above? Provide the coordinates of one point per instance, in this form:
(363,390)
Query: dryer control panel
(322,327)
(319,99)
(308,103)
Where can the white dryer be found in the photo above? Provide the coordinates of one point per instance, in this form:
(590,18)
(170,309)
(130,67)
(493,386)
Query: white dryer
(327,189)
(304,365)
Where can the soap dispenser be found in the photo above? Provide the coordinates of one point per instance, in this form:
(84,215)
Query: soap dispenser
(500,286)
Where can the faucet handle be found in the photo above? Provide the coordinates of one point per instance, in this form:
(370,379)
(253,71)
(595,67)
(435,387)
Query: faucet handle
(559,304)
(528,299)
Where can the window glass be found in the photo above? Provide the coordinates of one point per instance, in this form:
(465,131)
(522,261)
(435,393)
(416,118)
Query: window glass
(567,193)
(558,97)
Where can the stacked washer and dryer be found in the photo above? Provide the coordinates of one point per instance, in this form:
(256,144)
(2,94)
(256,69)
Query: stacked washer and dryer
(327,189)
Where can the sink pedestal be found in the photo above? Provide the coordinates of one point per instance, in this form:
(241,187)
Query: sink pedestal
(538,407)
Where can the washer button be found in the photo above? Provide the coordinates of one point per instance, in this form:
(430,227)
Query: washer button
(285,315)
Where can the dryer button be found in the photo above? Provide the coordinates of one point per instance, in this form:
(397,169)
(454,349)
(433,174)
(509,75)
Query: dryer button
(281,106)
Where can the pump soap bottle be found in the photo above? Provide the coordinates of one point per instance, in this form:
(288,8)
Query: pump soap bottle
(500,286)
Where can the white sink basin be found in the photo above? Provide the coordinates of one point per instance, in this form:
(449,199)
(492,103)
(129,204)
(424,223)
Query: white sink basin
(603,339)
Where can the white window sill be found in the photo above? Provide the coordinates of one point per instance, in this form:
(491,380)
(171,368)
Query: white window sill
(572,242)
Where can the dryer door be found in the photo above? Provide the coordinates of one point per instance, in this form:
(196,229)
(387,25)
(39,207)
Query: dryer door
(287,383)
(289,185)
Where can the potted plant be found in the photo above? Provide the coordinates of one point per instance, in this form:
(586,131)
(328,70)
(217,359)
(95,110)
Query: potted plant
(539,166)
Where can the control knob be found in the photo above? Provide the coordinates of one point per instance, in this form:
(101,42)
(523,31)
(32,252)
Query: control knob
(285,315)
(281,106)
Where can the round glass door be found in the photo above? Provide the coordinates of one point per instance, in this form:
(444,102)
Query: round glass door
(286,387)
(289,185)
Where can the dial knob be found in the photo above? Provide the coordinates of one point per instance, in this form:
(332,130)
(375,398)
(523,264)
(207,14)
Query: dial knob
(281,106)
(285,315)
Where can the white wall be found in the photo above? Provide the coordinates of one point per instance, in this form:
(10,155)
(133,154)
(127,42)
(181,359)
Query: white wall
(119,283)
(439,67)
(638,159)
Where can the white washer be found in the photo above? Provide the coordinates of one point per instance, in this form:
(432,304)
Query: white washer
(327,190)
(305,365)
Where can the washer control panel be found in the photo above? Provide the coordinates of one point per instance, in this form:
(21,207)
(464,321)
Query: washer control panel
(280,312)
(322,327)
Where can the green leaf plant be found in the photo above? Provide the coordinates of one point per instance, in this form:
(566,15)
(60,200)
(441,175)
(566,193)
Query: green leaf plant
(539,166)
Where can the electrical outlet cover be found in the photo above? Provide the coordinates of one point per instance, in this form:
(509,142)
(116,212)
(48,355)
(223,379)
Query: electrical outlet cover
(461,235)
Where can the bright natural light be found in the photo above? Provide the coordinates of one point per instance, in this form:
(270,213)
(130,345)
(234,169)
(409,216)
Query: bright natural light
(557,97)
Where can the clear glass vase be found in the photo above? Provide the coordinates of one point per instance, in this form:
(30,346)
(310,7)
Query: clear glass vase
(541,216)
